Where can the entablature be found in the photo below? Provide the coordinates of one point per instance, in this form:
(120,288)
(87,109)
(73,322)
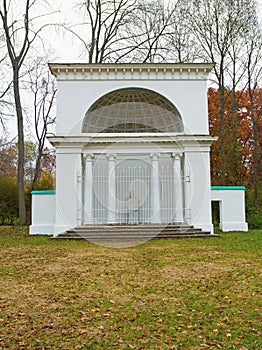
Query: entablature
(132,138)
(131,71)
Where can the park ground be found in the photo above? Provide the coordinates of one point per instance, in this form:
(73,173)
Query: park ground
(164,294)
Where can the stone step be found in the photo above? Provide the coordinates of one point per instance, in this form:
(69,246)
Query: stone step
(121,226)
(77,236)
(133,233)
(133,228)
(138,231)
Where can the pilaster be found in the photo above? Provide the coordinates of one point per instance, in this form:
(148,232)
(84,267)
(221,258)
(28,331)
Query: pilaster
(111,188)
(179,217)
(88,208)
(155,189)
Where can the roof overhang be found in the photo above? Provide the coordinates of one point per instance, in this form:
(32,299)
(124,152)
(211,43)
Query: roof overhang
(131,71)
(130,138)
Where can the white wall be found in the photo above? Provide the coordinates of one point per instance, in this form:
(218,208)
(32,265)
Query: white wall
(68,168)
(232,207)
(76,97)
(197,191)
(43,212)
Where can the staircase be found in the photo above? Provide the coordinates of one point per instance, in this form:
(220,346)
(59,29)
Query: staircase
(132,233)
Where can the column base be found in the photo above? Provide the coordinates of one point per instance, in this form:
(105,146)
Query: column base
(155,221)
(60,229)
(205,227)
(111,222)
(179,219)
(88,222)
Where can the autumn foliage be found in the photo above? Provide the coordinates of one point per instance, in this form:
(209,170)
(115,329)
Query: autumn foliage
(243,133)
(243,146)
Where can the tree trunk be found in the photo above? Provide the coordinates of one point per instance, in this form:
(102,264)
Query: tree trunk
(255,166)
(255,151)
(20,129)
(235,141)
(222,133)
(37,168)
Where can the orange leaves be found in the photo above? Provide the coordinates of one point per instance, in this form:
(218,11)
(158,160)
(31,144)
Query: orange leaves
(240,128)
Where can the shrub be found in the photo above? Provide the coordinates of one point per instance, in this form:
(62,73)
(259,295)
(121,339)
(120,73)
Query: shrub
(46,182)
(254,218)
(254,215)
(8,201)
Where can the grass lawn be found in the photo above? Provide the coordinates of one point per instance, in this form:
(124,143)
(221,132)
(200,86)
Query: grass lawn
(164,294)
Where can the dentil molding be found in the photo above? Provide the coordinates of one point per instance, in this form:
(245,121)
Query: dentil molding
(131,71)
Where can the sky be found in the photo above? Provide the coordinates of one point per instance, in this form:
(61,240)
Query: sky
(65,48)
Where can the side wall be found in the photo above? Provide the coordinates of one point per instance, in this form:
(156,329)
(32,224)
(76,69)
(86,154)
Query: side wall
(43,212)
(231,200)
(55,213)
(232,207)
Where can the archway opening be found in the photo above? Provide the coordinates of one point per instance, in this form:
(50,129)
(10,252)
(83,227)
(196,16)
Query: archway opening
(132,110)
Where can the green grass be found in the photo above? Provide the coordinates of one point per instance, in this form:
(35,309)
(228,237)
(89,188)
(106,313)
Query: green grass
(180,294)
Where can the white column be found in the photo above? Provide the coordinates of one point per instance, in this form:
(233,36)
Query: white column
(88,213)
(187,191)
(111,205)
(179,217)
(155,189)
(79,198)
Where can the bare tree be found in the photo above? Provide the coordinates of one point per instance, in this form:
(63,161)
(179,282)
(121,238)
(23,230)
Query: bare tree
(254,74)
(237,79)
(7,159)
(103,20)
(146,34)
(6,83)
(19,37)
(125,30)
(217,25)
(180,41)
(43,87)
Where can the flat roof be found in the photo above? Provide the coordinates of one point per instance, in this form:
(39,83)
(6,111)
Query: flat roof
(127,69)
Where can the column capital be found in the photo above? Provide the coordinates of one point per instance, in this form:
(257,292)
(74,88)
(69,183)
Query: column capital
(89,157)
(110,156)
(177,155)
(154,156)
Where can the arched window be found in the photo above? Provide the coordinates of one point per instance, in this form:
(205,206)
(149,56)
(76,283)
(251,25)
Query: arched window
(132,110)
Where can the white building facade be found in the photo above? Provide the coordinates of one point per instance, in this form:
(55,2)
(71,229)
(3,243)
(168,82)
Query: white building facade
(132,146)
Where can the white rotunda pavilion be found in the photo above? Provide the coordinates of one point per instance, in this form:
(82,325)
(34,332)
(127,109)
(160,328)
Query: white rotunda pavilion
(132,146)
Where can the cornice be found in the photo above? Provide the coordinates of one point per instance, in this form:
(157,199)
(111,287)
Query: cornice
(131,71)
(145,138)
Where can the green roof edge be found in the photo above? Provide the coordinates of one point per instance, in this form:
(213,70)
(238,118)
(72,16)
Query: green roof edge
(43,192)
(225,188)
(213,188)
